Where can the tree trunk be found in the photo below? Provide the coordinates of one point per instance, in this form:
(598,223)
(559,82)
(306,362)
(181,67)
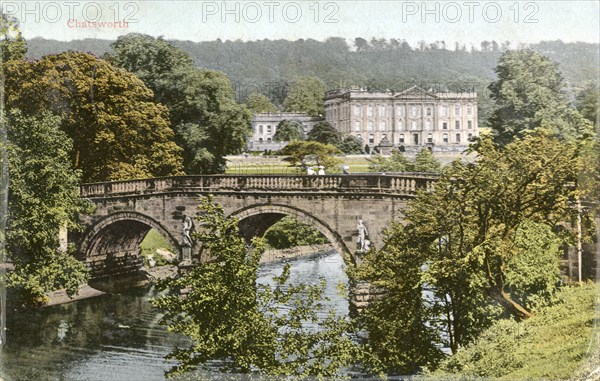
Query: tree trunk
(509,304)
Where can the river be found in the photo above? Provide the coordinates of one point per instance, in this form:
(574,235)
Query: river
(117,336)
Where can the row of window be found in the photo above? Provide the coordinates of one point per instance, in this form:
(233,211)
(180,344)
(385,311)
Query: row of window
(414,125)
(270,130)
(416,138)
(415,110)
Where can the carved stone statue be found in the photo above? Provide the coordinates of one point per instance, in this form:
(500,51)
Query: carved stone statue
(188,224)
(363,243)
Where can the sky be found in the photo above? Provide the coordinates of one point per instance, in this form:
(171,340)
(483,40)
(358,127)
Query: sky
(467,22)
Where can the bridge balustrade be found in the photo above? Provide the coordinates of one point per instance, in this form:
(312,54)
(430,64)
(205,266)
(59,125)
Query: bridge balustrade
(403,184)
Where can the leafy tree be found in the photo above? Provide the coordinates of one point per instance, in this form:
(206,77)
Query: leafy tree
(325,133)
(350,145)
(484,239)
(208,122)
(426,162)
(588,102)
(43,198)
(258,103)
(12,43)
(290,232)
(397,162)
(289,130)
(302,153)
(529,93)
(306,95)
(117,131)
(229,320)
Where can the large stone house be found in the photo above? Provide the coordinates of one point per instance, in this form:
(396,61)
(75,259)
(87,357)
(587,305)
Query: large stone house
(264,127)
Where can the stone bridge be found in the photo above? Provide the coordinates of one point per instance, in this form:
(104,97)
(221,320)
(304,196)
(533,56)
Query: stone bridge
(333,204)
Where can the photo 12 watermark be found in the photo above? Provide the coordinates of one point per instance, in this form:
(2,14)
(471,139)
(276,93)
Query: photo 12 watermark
(74,14)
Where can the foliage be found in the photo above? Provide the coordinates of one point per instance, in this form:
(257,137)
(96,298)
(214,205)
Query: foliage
(529,93)
(12,44)
(153,241)
(486,237)
(230,321)
(303,153)
(395,163)
(426,162)
(306,95)
(289,130)
(588,102)
(43,197)
(350,145)
(550,345)
(117,131)
(258,103)
(324,133)
(208,122)
(290,232)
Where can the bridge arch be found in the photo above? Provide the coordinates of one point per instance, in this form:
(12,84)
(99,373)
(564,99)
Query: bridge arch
(255,220)
(112,244)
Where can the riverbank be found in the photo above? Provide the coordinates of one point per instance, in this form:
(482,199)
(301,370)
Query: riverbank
(280,255)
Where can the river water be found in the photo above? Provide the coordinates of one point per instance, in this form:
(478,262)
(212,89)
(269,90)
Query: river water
(117,337)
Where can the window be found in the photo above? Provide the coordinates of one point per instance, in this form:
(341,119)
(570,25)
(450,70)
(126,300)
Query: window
(260,140)
(457,125)
(469,110)
(401,139)
(382,110)
(268,129)
(413,125)
(370,125)
(357,126)
(444,111)
(445,138)
(414,111)
(430,138)
(268,140)
(382,125)
(371,138)
(400,125)
(359,137)
(428,111)
(458,138)
(470,137)
(416,139)
(470,124)
(400,111)
(260,129)
(357,110)
(444,125)
(457,110)
(428,124)
(370,110)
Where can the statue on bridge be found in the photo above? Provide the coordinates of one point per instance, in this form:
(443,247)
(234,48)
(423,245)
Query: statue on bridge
(188,224)
(363,243)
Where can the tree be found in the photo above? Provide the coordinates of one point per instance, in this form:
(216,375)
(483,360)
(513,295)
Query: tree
(529,93)
(303,153)
(290,232)
(426,162)
(484,240)
(231,321)
(289,130)
(324,133)
(258,103)
(306,95)
(117,131)
(208,122)
(588,102)
(12,43)
(395,163)
(350,145)
(43,198)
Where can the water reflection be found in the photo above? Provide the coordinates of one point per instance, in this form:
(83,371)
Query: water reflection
(117,337)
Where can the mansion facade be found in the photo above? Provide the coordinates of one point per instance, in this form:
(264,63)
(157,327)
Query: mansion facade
(264,127)
(407,120)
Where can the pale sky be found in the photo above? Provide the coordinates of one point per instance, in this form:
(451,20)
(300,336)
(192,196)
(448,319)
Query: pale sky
(468,22)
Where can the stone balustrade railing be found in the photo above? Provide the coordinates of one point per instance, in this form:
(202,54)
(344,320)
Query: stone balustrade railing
(403,184)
